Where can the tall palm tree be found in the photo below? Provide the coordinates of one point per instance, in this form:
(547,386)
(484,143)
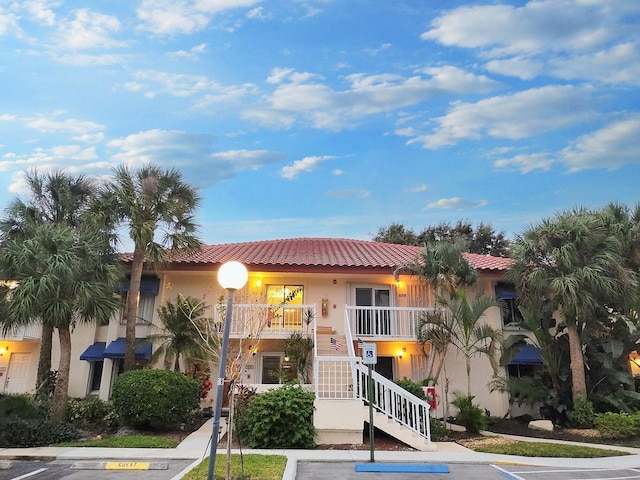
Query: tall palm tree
(64,276)
(576,262)
(468,333)
(54,198)
(179,337)
(147,201)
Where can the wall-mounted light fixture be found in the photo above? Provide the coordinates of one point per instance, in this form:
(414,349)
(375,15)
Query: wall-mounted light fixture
(3,350)
(401,352)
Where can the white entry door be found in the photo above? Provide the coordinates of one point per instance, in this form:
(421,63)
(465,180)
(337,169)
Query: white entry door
(18,373)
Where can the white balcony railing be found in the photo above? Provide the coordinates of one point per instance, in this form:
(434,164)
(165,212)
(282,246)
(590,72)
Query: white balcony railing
(26,332)
(269,321)
(393,323)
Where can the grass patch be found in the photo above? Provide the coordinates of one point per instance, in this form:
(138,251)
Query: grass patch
(542,449)
(256,467)
(125,441)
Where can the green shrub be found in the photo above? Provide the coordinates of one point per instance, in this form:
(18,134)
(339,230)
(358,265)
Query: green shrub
(156,399)
(583,414)
(19,432)
(438,430)
(91,413)
(411,387)
(21,406)
(469,415)
(279,418)
(616,426)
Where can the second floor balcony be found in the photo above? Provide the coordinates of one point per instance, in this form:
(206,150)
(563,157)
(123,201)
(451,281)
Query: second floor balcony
(32,332)
(385,323)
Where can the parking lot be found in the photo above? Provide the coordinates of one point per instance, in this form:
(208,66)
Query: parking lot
(462,471)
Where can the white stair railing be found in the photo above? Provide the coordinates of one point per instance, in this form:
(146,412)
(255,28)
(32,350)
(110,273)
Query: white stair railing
(393,401)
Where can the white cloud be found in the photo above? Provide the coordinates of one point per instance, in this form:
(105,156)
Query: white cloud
(86,131)
(302,95)
(375,51)
(307,164)
(170,17)
(521,67)
(258,13)
(88,30)
(40,11)
(416,189)
(337,172)
(192,53)
(454,202)
(191,153)
(523,114)
(610,147)
(525,163)
(152,83)
(5,117)
(570,25)
(618,64)
(8,23)
(348,194)
(585,39)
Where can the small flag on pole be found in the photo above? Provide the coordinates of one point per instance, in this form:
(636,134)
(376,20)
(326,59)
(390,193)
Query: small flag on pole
(360,343)
(335,344)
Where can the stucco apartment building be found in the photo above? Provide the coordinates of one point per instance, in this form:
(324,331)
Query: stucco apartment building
(340,292)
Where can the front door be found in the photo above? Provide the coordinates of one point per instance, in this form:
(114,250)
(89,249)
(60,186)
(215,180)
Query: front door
(384,367)
(18,373)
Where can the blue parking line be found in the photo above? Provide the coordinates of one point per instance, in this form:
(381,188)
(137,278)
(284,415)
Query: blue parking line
(401,468)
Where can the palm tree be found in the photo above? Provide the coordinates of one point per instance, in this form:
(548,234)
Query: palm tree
(467,333)
(179,337)
(64,276)
(574,261)
(148,200)
(54,198)
(442,265)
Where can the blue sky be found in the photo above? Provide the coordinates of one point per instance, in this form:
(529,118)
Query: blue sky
(332,118)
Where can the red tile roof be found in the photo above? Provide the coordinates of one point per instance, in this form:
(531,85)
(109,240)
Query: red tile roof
(318,253)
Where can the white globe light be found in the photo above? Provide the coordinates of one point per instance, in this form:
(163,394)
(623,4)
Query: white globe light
(233,275)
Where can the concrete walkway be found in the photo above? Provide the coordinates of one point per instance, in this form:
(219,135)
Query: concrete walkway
(196,447)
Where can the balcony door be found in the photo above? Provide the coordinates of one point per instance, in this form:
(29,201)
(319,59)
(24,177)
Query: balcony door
(372,321)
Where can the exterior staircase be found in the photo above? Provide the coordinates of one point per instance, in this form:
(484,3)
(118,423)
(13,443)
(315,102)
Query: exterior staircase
(342,398)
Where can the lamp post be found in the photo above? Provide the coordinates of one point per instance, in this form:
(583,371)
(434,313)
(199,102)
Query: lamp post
(232,276)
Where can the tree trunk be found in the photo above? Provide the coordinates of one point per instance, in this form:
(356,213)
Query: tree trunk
(578,378)
(44,363)
(468,360)
(61,391)
(131,309)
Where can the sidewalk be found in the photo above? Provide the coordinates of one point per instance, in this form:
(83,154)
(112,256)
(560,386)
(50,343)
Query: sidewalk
(196,447)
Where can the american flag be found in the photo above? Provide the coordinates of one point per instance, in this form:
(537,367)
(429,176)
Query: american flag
(335,344)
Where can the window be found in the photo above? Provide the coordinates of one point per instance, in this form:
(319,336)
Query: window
(275,368)
(285,313)
(95,378)
(507,296)
(146,302)
(149,288)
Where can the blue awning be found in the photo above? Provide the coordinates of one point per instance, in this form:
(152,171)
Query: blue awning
(148,284)
(94,353)
(116,349)
(528,355)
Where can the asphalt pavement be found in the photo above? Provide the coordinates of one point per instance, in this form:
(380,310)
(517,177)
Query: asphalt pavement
(196,446)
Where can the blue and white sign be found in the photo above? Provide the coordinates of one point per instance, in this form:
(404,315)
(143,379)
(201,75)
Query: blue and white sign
(369,355)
